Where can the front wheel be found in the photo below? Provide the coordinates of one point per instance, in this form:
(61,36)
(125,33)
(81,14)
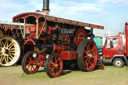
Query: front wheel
(28,63)
(118,62)
(54,65)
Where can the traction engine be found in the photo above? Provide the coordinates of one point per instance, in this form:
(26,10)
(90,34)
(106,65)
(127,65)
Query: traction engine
(54,42)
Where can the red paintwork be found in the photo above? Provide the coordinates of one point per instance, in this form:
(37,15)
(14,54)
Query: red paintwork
(60,48)
(80,35)
(90,62)
(54,43)
(29,64)
(126,33)
(68,55)
(99,36)
(109,53)
(29,42)
(55,63)
(25,15)
(72,55)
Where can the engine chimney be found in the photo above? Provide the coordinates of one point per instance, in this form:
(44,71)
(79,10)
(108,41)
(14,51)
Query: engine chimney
(45,9)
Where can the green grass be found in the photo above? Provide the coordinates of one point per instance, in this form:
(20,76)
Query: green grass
(109,76)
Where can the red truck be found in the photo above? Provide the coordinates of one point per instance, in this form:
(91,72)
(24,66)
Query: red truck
(115,50)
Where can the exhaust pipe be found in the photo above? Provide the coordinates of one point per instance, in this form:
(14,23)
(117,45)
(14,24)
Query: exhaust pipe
(45,9)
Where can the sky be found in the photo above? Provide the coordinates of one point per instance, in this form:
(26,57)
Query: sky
(112,14)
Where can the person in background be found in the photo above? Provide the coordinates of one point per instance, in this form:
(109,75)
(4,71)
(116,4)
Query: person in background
(90,34)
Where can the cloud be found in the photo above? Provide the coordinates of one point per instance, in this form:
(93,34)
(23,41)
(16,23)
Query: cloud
(121,2)
(8,9)
(9,5)
(70,8)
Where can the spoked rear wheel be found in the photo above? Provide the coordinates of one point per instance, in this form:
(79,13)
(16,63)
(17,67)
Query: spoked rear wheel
(9,51)
(87,55)
(54,65)
(28,63)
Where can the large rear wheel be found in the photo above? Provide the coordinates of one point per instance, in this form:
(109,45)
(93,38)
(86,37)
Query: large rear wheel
(54,65)
(87,55)
(9,51)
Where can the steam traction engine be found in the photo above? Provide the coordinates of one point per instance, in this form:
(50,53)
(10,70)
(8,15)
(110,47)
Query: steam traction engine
(52,42)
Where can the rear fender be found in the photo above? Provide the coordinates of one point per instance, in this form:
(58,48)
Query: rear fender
(29,45)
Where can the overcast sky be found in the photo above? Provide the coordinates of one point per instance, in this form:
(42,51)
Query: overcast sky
(110,13)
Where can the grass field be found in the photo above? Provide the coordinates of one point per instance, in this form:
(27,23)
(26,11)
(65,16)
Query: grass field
(109,76)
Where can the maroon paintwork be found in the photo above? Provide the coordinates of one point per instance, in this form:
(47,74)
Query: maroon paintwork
(126,33)
(110,52)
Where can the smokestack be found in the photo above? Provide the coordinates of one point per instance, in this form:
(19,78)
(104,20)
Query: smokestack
(45,9)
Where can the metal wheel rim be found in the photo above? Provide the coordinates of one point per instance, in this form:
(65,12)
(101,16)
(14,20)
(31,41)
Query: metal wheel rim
(29,63)
(55,65)
(90,56)
(9,51)
(118,63)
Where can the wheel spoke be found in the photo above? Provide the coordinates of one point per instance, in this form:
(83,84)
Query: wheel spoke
(30,58)
(31,67)
(1,59)
(87,65)
(53,71)
(85,51)
(10,45)
(27,66)
(90,63)
(12,49)
(11,56)
(6,43)
(93,49)
(7,58)
(2,44)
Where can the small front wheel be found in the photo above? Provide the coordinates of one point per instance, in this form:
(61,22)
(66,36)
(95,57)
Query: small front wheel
(28,63)
(54,65)
(118,62)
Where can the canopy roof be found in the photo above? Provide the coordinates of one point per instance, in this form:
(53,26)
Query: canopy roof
(56,19)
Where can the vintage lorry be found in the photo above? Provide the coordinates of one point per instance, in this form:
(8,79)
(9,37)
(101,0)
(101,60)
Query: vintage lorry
(115,50)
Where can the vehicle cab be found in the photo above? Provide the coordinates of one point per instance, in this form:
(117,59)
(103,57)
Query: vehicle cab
(113,51)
